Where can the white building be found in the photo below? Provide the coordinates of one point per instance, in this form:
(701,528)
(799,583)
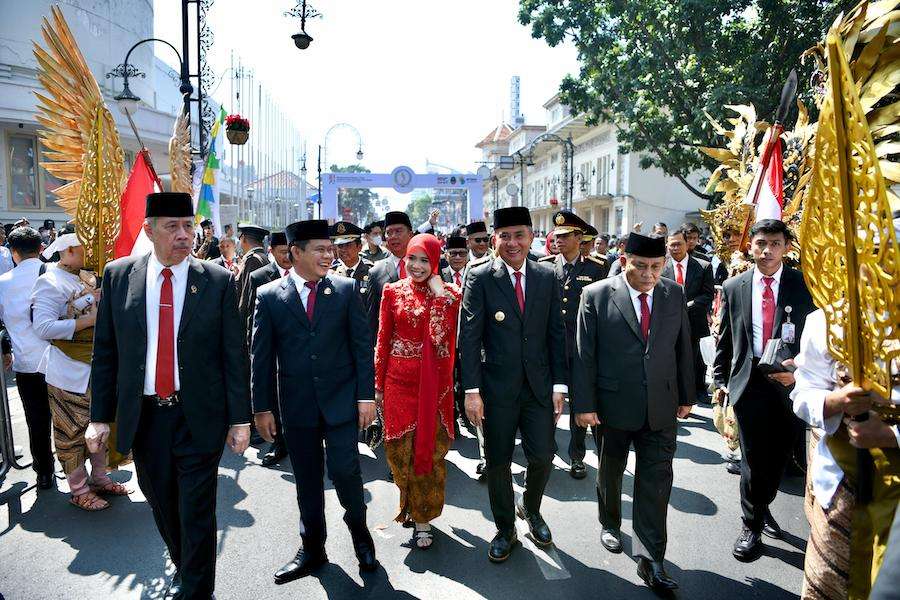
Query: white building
(104,30)
(610,190)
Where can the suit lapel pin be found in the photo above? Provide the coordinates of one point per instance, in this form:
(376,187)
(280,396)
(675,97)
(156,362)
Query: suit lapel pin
(327,291)
(193,289)
(499,316)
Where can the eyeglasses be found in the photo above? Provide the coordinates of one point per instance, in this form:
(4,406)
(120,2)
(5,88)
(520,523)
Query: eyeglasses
(480,240)
(457,253)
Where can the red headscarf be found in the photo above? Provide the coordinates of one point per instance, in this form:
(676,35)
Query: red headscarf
(548,241)
(426,426)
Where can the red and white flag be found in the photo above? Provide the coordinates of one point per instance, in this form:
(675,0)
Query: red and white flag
(132,206)
(767,190)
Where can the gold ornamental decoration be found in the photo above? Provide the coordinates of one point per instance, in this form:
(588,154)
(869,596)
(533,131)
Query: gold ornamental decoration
(81,141)
(850,255)
(180,156)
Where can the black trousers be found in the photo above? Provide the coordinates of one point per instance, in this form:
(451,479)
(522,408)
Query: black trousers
(699,368)
(179,482)
(767,429)
(33,392)
(536,424)
(308,459)
(654,451)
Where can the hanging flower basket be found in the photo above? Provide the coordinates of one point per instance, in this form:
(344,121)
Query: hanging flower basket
(237,129)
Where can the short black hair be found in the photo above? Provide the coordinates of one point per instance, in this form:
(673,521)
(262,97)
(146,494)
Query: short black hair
(302,244)
(690,227)
(680,231)
(25,240)
(771,227)
(661,224)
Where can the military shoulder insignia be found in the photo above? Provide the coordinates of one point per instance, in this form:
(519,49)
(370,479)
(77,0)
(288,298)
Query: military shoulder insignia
(600,261)
(547,258)
(480,261)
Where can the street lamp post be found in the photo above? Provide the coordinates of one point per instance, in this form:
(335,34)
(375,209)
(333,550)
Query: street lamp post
(323,154)
(568,171)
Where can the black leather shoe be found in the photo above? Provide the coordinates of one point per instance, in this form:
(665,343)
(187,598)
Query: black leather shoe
(611,540)
(502,546)
(577,470)
(748,546)
(275,455)
(771,527)
(654,575)
(733,468)
(174,589)
(45,481)
(365,551)
(302,565)
(536,525)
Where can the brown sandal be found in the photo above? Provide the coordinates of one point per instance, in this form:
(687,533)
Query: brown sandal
(89,501)
(111,488)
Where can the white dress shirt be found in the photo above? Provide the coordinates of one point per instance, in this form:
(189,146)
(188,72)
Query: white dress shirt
(352,269)
(758,287)
(815,378)
(6,260)
(154,286)
(50,296)
(636,300)
(557,387)
(15,312)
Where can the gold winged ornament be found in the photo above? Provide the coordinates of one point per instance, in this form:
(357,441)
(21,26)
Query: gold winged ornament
(81,140)
(180,156)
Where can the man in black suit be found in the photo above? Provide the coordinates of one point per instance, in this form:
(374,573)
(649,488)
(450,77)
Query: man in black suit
(457,254)
(278,267)
(253,258)
(311,328)
(478,240)
(695,276)
(692,233)
(398,231)
(169,369)
(767,302)
(514,372)
(635,393)
(226,258)
(573,272)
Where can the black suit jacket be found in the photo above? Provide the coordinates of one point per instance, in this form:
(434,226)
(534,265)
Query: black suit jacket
(698,292)
(734,350)
(382,273)
(212,366)
(324,367)
(639,382)
(253,260)
(501,349)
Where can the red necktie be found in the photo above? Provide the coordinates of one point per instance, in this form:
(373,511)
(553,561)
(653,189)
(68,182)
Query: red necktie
(165,339)
(768,310)
(645,316)
(311,300)
(458,280)
(402,269)
(679,276)
(286,272)
(520,292)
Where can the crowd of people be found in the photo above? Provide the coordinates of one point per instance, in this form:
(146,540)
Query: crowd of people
(308,336)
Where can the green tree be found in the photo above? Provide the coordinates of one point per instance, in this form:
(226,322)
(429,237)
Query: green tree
(652,66)
(360,201)
(419,207)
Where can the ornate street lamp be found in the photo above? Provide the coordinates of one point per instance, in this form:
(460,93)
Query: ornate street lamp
(303,12)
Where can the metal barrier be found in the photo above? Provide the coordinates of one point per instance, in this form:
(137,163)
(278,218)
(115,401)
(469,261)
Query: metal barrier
(7,449)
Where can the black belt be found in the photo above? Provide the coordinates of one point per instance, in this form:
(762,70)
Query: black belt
(164,402)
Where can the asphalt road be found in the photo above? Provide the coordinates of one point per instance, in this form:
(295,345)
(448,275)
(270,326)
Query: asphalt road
(51,550)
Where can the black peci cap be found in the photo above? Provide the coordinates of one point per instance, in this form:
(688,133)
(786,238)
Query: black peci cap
(647,247)
(301,231)
(511,216)
(169,204)
(456,242)
(395,217)
(476,227)
(278,239)
(206,223)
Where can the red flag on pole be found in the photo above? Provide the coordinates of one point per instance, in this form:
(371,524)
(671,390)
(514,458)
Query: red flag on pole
(767,190)
(142,181)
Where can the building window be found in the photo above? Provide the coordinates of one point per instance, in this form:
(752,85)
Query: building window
(30,186)
(604,174)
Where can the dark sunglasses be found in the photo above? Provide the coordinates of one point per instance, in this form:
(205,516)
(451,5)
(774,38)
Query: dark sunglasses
(457,253)
(481,240)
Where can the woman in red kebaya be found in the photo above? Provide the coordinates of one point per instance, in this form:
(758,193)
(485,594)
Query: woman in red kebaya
(414,382)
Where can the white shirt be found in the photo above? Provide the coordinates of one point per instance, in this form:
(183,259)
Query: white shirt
(636,300)
(758,287)
(50,296)
(353,268)
(300,284)
(15,311)
(6,260)
(815,378)
(154,286)
(557,387)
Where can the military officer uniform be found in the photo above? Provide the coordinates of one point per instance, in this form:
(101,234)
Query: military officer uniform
(253,259)
(572,277)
